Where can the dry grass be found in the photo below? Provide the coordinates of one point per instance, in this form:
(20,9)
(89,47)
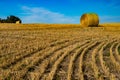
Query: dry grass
(59,52)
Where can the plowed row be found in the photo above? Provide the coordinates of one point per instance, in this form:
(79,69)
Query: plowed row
(60,54)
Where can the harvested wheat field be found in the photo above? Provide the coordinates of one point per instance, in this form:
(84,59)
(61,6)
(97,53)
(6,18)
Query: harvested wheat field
(59,52)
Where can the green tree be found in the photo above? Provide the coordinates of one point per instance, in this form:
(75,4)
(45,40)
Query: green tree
(12,19)
(0,20)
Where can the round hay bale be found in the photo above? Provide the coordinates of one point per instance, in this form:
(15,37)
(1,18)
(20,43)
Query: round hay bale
(89,19)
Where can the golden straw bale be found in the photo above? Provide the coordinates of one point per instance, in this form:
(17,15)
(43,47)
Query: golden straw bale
(89,19)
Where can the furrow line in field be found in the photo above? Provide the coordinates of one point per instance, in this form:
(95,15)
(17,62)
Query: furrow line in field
(114,66)
(54,58)
(110,65)
(17,54)
(118,49)
(54,67)
(48,55)
(81,59)
(117,52)
(27,54)
(15,59)
(113,60)
(105,69)
(28,47)
(73,58)
(94,61)
(37,57)
(61,72)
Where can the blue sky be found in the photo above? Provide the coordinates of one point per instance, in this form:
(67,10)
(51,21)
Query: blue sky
(60,11)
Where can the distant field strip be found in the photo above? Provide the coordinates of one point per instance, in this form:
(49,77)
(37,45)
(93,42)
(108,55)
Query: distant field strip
(60,54)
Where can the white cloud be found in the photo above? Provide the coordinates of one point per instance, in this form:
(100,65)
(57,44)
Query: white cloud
(42,15)
(109,19)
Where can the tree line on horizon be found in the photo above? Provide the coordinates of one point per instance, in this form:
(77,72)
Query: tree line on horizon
(10,19)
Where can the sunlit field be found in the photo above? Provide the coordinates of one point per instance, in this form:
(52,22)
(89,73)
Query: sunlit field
(59,52)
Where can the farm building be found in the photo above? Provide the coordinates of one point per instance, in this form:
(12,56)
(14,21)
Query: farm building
(18,22)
